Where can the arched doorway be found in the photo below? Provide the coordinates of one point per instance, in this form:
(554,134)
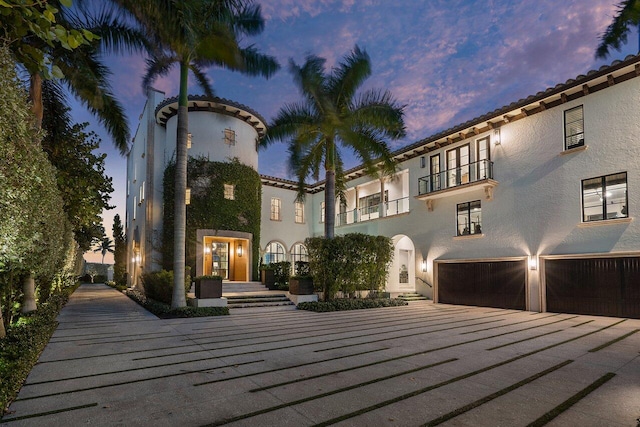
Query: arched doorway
(402,273)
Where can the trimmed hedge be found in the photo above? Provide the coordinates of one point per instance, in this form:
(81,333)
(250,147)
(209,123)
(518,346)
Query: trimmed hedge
(349,304)
(24,342)
(164,311)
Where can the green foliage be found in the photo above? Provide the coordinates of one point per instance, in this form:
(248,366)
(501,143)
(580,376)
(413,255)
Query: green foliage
(80,172)
(350,304)
(626,20)
(33,27)
(331,116)
(166,312)
(24,342)
(349,263)
(302,269)
(281,272)
(158,285)
(209,209)
(119,252)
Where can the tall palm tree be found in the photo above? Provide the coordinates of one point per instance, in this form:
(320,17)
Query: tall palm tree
(104,246)
(616,34)
(332,115)
(196,34)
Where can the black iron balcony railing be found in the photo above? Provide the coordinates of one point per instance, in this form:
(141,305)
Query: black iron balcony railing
(450,178)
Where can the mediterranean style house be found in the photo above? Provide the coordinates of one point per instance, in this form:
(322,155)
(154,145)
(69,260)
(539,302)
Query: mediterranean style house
(531,206)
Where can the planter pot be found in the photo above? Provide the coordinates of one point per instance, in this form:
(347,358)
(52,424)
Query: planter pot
(268,278)
(301,286)
(209,288)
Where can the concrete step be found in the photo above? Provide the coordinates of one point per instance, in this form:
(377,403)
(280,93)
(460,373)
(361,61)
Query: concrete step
(412,296)
(257,300)
(228,287)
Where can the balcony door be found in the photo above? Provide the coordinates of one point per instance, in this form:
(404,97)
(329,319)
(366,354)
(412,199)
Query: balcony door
(458,166)
(435,173)
(483,156)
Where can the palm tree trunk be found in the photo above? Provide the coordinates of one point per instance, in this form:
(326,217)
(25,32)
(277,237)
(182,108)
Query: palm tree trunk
(180,209)
(330,204)
(3,332)
(35,96)
(29,300)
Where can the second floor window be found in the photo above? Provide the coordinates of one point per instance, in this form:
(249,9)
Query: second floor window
(230,137)
(573,128)
(229,191)
(605,197)
(276,204)
(299,211)
(469,218)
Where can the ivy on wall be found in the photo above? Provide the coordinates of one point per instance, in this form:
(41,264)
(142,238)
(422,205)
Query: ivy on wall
(209,209)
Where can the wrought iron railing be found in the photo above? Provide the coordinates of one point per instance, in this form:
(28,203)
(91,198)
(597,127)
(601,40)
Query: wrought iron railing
(450,178)
(367,213)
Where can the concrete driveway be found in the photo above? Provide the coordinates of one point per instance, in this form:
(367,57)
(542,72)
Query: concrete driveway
(112,363)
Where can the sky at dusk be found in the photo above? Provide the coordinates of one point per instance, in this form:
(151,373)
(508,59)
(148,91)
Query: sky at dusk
(448,61)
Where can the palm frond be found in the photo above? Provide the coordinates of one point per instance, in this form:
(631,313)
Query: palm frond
(380,110)
(310,79)
(202,80)
(349,76)
(616,34)
(157,66)
(291,120)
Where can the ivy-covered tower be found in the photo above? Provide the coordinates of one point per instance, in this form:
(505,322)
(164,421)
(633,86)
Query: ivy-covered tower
(223,212)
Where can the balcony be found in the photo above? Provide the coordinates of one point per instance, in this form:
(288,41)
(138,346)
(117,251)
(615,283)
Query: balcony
(469,177)
(368,213)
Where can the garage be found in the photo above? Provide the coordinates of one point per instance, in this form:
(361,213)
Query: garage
(607,286)
(500,284)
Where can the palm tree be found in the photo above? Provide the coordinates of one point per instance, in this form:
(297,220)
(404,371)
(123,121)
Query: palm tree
(618,30)
(196,34)
(104,246)
(330,116)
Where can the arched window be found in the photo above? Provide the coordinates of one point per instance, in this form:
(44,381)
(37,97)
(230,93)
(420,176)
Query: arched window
(274,253)
(300,259)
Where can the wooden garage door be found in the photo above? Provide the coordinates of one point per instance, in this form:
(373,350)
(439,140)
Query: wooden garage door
(598,286)
(498,284)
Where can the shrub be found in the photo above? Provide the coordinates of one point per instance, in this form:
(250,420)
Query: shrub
(350,304)
(302,269)
(165,311)
(158,285)
(281,272)
(349,263)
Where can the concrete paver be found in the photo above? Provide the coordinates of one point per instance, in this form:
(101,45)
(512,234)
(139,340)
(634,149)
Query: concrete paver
(110,362)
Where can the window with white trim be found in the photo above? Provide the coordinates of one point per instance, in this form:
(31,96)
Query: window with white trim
(605,197)
(322,212)
(229,191)
(299,212)
(469,218)
(276,205)
(574,128)
(230,137)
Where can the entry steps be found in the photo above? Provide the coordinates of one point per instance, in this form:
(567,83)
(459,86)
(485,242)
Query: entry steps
(412,296)
(257,300)
(229,287)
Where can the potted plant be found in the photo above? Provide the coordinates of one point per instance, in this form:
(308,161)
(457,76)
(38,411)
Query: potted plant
(302,282)
(208,287)
(268,277)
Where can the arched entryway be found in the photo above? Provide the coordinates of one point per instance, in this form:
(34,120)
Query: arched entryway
(402,273)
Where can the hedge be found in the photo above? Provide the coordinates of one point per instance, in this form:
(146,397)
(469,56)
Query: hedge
(350,304)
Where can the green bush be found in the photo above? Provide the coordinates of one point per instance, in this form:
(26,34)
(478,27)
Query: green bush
(350,304)
(158,285)
(165,311)
(302,269)
(24,342)
(281,272)
(349,263)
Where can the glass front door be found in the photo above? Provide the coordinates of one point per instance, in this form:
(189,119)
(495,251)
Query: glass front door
(220,259)
(458,166)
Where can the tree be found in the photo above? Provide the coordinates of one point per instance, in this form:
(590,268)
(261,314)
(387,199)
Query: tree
(81,175)
(33,227)
(195,34)
(104,246)
(616,34)
(330,116)
(119,251)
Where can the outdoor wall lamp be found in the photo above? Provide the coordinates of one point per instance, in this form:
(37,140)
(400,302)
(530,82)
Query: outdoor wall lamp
(207,249)
(496,136)
(533,262)
(423,265)
(240,251)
